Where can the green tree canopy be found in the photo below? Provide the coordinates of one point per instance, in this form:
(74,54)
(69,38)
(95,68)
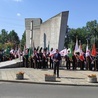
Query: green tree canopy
(4,36)
(13,37)
(23,40)
(88,32)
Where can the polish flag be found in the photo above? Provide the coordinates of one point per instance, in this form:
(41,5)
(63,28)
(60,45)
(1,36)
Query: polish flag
(52,52)
(63,52)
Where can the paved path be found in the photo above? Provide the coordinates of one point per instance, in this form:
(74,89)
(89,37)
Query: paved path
(11,63)
(67,77)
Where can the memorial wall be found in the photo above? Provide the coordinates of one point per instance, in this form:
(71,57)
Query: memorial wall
(51,32)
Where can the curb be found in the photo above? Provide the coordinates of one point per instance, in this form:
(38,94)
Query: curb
(47,83)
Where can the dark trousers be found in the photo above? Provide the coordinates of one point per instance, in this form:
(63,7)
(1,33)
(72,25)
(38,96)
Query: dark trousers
(41,63)
(56,68)
(68,64)
(45,64)
(23,61)
(31,63)
(51,64)
(26,63)
(38,64)
(88,65)
(74,65)
(81,65)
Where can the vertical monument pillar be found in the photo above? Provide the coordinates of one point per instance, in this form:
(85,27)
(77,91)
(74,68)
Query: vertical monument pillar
(32,26)
(31,34)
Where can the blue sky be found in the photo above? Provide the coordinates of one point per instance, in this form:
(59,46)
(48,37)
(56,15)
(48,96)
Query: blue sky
(14,12)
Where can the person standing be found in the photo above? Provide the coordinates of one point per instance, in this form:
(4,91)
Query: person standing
(67,59)
(56,59)
(35,58)
(51,59)
(45,59)
(40,58)
(74,61)
(89,60)
(82,59)
(26,56)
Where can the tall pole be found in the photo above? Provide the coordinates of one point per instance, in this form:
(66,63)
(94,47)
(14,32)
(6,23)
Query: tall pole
(48,45)
(95,55)
(87,46)
(88,64)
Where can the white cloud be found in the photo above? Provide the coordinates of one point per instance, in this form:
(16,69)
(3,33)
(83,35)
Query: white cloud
(18,14)
(18,0)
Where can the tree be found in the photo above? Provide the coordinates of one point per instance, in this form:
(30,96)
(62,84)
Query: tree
(92,30)
(4,36)
(1,45)
(89,32)
(0,38)
(13,38)
(23,40)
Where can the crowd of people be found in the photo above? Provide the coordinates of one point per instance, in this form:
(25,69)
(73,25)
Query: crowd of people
(84,62)
(42,59)
(37,59)
(9,54)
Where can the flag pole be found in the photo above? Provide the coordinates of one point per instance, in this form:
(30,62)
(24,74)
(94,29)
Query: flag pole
(48,46)
(87,46)
(20,54)
(95,56)
(76,45)
(86,52)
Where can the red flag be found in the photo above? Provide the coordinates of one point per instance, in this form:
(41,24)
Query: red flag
(81,57)
(93,53)
(81,53)
(80,49)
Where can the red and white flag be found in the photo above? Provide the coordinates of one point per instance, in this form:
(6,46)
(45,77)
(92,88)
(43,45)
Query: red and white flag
(63,52)
(87,51)
(52,52)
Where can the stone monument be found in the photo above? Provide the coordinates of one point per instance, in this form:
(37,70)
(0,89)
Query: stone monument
(49,33)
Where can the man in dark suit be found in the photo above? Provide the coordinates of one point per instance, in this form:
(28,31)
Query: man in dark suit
(56,59)
(67,61)
(74,60)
